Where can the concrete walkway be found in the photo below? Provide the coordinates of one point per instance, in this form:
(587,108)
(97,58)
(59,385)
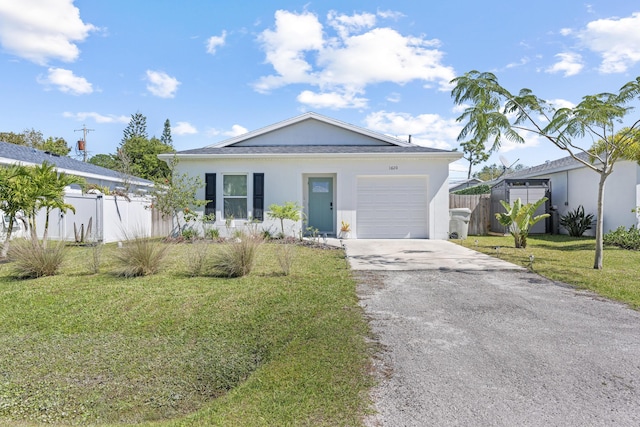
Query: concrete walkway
(419,254)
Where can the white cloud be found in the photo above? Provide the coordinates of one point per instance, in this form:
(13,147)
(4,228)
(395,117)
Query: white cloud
(97,117)
(347,24)
(360,54)
(394,97)
(66,82)
(530,140)
(236,130)
(334,100)
(569,63)
(184,128)
(523,61)
(429,130)
(42,30)
(161,84)
(566,31)
(560,103)
(214,42)
(617,40)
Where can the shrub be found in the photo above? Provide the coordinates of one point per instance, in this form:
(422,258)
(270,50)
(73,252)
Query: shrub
(519,219)
(140,256)
(198,254)
(286,255)
(189,233)
(621,237)
(576,222)
(478,189)
(95,258)
(237,257)
(212,233)
(290,211)
(32,259)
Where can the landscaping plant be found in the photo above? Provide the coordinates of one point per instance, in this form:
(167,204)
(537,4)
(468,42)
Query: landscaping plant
(519,219)
(236,257)
(31,259)
(140,256)
(290,211)
(576,222)
(623,238)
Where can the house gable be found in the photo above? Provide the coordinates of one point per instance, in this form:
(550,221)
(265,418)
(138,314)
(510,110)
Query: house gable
(310,132)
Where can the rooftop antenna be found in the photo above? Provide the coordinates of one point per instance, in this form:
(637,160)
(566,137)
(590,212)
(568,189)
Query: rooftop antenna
(82,144)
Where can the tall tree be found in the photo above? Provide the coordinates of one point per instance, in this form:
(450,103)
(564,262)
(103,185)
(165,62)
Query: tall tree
(166,138)
(137,128)
(597,117)
(138,155)
(34,139)
(474,152)
(108,161)
(142,155)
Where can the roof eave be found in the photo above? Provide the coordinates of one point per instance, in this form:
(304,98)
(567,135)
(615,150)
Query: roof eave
(450,155)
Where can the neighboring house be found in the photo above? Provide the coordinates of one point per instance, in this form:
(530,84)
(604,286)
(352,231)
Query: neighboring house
(573,184)
(18,154)
(381,186)
(111,216)
(461,185)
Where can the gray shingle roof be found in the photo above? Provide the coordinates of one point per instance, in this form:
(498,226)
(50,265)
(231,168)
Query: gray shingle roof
(30,155)
(312,149)
(549,167)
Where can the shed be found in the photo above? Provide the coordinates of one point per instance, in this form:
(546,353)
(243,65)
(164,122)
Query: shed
(528,191)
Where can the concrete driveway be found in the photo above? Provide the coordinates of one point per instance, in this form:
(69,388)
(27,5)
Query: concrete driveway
(500,347)
(418,254)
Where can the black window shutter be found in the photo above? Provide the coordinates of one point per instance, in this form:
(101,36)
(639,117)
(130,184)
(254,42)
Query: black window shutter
(258,196)
(210,193)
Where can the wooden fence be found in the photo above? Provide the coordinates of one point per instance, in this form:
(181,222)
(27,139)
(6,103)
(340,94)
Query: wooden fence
(480,205)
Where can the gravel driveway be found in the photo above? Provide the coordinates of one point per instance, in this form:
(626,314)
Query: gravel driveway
(499,348)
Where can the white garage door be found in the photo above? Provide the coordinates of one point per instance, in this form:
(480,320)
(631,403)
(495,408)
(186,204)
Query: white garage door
(392,207)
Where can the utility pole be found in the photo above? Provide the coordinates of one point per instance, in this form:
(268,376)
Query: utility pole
(82,145)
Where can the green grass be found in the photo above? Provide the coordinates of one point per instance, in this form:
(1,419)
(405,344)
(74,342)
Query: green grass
(570,260)
(170,349)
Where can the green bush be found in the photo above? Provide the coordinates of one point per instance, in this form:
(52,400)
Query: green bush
(478,189)
(236,258)
(621,237)
(31,259)
(140,257)
(189,233)
(576,222)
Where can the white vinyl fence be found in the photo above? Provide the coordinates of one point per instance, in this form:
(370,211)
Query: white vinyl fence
(100,218)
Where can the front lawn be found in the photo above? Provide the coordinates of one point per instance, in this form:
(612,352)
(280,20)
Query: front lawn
(266,349)
(570,260)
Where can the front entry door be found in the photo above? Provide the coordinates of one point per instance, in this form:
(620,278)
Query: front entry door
(321,204)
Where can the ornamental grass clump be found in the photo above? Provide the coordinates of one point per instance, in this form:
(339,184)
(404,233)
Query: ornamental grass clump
(140,256)
(236,258)
(31,259)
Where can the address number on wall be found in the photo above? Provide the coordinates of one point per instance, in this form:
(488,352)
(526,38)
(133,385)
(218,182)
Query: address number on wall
(393,168)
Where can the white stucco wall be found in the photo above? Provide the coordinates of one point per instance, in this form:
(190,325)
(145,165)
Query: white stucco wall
(575,187)
(285,180)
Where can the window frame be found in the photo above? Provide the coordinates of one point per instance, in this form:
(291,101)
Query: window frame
(245,197)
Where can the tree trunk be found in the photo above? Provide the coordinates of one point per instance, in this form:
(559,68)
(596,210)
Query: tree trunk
(469,173)
(5,246)
(598,261)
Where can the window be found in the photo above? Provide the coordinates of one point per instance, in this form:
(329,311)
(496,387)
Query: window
(235,196)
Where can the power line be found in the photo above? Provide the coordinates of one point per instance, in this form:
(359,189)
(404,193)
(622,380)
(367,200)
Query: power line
(82,144)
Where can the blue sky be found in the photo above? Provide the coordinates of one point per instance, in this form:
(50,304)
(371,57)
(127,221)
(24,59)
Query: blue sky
(216,69)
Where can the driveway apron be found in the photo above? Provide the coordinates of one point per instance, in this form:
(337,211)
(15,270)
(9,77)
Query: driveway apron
(475,343)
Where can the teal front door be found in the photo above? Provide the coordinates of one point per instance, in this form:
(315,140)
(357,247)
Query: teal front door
(321,204)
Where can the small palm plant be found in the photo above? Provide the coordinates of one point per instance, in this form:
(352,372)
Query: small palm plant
(519,219)
(577,222)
